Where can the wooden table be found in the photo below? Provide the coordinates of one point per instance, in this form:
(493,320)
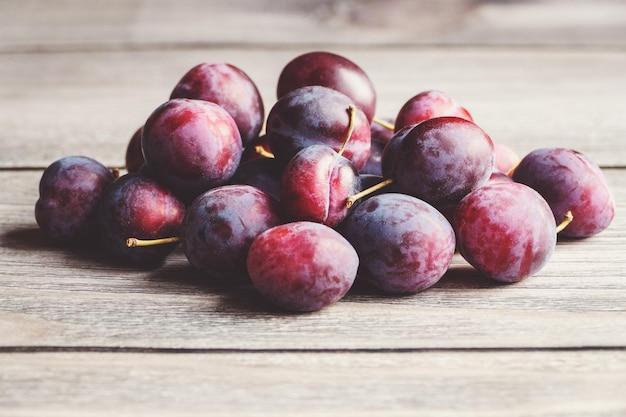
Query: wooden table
(80,336)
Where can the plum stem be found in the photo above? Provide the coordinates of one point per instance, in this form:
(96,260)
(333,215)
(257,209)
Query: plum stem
(384,123)
(566,221)
(351,111)
(260,150)
(116,172)
(133,242)
(352,199)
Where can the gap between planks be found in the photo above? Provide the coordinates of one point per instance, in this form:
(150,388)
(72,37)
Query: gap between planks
(153,350)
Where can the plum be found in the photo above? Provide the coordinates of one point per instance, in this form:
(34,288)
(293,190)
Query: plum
(231,88)
(191,145)
(569,181)
(505,230)
(405,245)
(220,226)
(316,184)
(427,105)
(264,173)
(333,71)
(134,154)
(318,115)
(139,208)
(69,191)
(302,266)
(439,160)
(506,158)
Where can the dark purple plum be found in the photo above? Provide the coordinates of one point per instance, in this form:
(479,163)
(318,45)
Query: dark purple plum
(134,206)
(69,191)
(263,173)
(333,71)
(405,245)
(440,160)
(318,115)
(302,266)
(505,230)
(316,184)
(229,87)
(380,138)
(428,105)
(134,154)
(390,152)
(569,181)
(191,145)
(220,226)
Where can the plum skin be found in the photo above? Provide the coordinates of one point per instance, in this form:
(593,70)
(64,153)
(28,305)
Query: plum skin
(140,207)
(69,191)
(229,87)
(221,224)
(134,155)
(405,245)
(302,266)
(569,181)
(439,160)
(428,105)
(506,230)
(316,184)
(317,115)
(191,145)
(329,70)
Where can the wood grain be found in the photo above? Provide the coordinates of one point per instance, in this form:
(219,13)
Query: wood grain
(54,105)
(113,24)
(567,383)
(55,296)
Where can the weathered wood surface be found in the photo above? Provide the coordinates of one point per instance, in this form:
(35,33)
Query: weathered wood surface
(80,335)
(112,24)
(438,384)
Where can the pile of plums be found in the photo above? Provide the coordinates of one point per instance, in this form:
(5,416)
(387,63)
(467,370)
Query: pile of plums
(321,192)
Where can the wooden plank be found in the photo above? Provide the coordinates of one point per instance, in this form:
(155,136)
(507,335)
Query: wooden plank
(549,384)
(73,24)
(53,105)
(54,296)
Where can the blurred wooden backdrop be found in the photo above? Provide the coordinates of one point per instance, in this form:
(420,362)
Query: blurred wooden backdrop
(80,24)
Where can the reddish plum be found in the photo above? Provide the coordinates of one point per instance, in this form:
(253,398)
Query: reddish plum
(506,158)
(191,145)
(316,184)
(333,71)
(134,206)
(231,88)
(69,191)
(505,230)
(302,266)
(427,105)
(220,226)
(497,176)
(440,160)
(405,245)
(318,115)
(569,181)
